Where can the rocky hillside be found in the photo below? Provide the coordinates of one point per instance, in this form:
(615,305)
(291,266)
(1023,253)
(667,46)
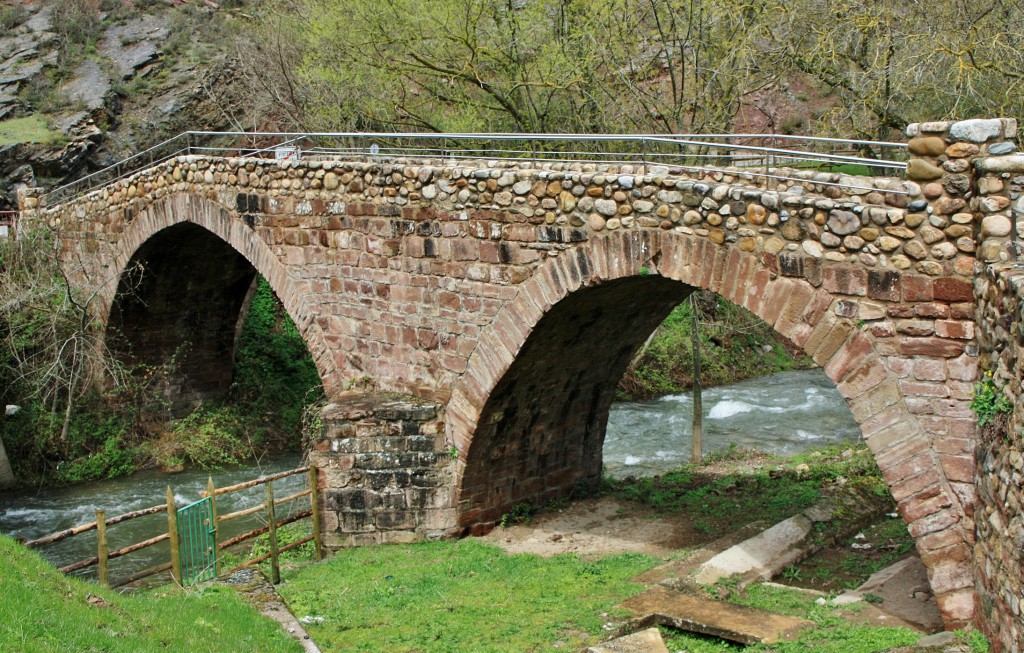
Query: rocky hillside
(84,83)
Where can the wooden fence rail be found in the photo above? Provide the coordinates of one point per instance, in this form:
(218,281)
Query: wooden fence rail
(104,555)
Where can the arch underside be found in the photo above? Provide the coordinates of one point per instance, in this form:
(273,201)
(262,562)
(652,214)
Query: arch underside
(177,309)
(542,430)
(185,270)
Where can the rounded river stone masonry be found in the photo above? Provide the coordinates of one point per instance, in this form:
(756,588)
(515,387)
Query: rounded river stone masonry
(494,303)
(998,565)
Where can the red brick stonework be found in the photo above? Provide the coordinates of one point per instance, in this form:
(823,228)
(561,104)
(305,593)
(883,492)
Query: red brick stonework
(489,309)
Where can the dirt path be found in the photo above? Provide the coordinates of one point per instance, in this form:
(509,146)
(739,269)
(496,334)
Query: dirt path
(599,527)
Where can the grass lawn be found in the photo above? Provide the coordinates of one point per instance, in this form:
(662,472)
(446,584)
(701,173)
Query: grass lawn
(460,596)
(31,129)
(42,611)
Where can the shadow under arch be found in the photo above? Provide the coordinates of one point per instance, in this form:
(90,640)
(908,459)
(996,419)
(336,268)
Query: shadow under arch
(529,424)
(184,267)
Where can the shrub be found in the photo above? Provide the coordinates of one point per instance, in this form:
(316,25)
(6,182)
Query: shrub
(213,438)
(13,15)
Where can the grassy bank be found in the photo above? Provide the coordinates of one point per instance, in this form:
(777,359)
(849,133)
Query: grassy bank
(735,345)
(43,611)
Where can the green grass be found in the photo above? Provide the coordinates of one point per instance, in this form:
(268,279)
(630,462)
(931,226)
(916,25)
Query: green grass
(720,503)
(44,611)
(831,634)
(460,596)
(31,129)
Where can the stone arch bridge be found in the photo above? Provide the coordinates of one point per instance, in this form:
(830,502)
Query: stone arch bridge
(470,320)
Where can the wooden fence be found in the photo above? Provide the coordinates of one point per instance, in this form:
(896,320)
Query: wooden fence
(104,555)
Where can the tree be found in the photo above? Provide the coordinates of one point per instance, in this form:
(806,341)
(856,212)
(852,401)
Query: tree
(889,63)
(677,66)
(665,66)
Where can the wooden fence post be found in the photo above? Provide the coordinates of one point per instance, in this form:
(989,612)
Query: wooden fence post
(211,493)
(101,546)
(172,531)
(275,569)
(314,500)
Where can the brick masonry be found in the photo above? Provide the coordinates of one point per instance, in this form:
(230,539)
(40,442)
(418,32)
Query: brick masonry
(501,302)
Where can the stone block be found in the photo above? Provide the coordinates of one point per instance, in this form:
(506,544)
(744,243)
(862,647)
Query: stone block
(931,346)
(845,280)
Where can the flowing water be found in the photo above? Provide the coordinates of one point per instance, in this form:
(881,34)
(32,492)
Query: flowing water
(784,413)
(30,515)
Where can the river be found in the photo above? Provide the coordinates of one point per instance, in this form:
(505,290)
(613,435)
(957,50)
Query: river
(784,413)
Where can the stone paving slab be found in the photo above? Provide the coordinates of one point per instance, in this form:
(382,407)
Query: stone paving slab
(736,623)
(257,589)
(644,641)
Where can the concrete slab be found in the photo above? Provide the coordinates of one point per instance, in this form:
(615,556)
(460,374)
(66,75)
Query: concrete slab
(736,623)
(684,566)
(644,641)
(761,555)
(904,592)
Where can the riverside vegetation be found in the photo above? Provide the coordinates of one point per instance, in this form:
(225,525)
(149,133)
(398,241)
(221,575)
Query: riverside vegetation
(67,429)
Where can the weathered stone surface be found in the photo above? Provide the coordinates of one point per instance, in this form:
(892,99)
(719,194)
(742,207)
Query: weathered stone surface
(927,146)
(921,170)
(976,131)
(843,222)
(716,618)
(644,641)
(1000,149)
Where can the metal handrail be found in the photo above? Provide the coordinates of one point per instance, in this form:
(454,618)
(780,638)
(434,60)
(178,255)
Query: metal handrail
(186,143)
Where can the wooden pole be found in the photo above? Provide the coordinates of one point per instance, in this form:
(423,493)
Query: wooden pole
(101,546)
(314,500)
(275,569)
(172,531)
(211,493)
(698,404)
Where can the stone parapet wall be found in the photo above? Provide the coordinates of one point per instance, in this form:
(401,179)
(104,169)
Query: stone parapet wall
(386,474)
(999,553)
(878,223)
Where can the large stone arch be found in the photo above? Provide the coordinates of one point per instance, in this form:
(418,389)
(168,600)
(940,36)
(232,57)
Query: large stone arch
(820,322)
(183,212)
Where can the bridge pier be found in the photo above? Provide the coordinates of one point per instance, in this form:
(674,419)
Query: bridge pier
(386,473)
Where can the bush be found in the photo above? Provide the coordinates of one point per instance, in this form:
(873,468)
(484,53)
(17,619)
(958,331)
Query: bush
(214,438)
(78,26)
(275,377)
(13,15)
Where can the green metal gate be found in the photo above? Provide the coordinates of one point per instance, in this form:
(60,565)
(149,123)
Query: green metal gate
(197,535)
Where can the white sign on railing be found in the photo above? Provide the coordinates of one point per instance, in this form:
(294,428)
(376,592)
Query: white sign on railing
(287,153)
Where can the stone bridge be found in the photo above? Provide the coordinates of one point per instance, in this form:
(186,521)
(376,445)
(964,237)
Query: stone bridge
(470,321)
